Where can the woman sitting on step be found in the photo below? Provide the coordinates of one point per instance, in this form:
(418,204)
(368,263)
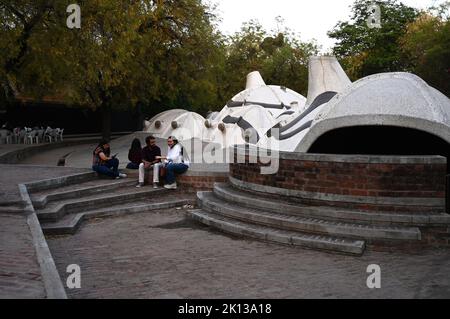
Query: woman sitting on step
(135,154)
(103,163)
(174,163)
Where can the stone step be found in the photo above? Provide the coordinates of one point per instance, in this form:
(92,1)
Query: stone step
(41,199)
(209,202)
(64,186)
(65,181)
(58,209)
(251,200)
(11,209)
(239,228)
(70,223)
(12,203)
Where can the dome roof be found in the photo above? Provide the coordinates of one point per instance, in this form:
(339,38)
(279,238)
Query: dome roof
(162,121)
(393,99)
(185,126)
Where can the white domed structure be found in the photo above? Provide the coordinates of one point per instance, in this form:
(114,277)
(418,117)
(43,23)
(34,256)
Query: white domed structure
(261,106)
(160,123)
(388,99)
(326,79)
(187,125)
(250,123)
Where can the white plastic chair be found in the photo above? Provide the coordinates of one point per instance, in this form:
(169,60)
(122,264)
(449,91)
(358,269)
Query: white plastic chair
(60,134)
(48,134)
(22,135)
(40,135)
(5,135)
(16,134)
(31,137)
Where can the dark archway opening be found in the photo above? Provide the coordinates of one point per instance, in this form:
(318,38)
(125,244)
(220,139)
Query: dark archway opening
(381,140)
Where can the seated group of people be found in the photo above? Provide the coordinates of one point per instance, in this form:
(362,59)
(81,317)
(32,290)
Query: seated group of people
(144,159)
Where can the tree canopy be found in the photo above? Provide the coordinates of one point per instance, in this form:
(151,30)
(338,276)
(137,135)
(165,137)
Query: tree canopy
(409,40)
(162,54)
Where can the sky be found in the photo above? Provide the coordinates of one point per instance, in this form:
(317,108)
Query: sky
(312,19)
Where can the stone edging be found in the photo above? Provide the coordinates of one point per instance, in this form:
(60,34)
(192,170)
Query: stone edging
(339,158)
(426,202)
(52,281)
(15,156)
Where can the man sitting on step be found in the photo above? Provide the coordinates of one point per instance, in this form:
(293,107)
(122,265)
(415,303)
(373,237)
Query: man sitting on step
(174,163)
(149,159)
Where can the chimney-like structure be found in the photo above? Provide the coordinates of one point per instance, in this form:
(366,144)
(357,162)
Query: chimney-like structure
(254,80)
(325,75)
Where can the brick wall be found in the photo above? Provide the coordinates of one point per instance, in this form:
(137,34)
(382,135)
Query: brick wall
(199,183)
(397,180)
(195,183)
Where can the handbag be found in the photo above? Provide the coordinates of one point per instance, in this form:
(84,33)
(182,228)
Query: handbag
(162,171)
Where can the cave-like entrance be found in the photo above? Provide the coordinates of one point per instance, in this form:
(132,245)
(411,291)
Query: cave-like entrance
(384,140)
(381,140)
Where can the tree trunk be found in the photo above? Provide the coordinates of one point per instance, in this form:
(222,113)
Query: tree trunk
(106,121)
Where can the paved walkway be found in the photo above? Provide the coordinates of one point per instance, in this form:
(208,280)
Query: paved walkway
(20,274)
(162,255)
(80,156)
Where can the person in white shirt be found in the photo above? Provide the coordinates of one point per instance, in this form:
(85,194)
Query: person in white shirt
(174,162)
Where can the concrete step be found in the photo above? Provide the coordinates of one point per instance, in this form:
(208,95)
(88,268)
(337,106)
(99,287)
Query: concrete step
(69,224)
(57,209)
(11,209)
(210,203)
(239,228)
(12,203)
(56,183)
(41,199)
(251,200)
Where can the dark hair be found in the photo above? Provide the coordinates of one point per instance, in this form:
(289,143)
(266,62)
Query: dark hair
(148,138)
(102,142)
(136,144)
(174,139)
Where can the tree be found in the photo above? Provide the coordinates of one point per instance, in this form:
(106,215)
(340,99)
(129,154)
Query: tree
(364,50)
(280,57)
(125,53)
(27,35)
(426,44)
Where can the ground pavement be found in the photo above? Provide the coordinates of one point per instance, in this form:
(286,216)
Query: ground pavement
(163,255)
(20,274)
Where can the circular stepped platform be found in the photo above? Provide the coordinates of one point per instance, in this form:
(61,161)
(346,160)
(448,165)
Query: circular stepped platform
(348,231)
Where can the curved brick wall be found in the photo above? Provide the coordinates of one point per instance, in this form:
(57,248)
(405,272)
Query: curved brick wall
(396,183)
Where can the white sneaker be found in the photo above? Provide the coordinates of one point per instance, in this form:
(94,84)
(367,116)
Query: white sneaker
(155,186)
(121,175)
(140,185)
(171,186)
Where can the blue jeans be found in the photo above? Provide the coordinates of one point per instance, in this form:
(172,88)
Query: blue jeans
(132,165)
(110,168)
(172,168)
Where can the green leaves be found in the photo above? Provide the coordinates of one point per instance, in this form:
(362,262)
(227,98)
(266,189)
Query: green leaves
(378,46)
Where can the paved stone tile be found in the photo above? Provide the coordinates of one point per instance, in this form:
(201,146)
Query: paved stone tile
(20,274)
(12,175)
(163,255)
